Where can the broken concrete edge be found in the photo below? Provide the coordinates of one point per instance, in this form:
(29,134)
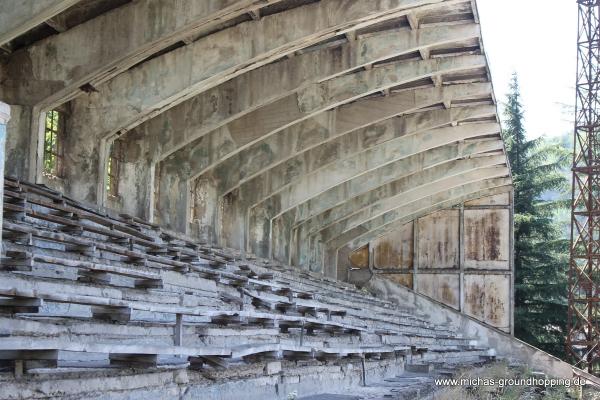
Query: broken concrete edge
(506,346)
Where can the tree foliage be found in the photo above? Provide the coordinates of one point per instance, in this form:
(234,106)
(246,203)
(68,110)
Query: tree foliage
(541,249)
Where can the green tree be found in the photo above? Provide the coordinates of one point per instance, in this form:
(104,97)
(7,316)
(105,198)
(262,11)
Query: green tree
(541,251)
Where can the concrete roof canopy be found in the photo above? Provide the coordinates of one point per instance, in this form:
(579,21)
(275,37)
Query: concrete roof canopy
(265,110)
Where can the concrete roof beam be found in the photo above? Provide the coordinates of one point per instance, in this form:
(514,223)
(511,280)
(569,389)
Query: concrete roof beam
(62,63)
(397,188)
(177,175)
(165,81)
(215,148)
(344,169)
(331,201)
(421,189)
(262,212)
(252,128)
(183,124)
(375,229)
(16,18)
(288,76)
(296,153)
(390,195)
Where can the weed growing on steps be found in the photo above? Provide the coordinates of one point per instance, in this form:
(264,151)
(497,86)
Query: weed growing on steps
(501,373)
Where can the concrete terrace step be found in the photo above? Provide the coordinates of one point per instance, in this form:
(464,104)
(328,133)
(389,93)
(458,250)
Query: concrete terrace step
(329,287)
(84,290)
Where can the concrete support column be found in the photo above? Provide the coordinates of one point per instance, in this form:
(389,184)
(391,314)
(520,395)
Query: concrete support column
(4,117)
(17,148)
(81,172)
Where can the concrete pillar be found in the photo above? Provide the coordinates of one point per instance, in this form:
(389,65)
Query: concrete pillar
(4,117)
(18,147)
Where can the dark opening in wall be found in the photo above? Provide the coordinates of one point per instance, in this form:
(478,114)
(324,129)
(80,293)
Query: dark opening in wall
(54,132)
(113,168)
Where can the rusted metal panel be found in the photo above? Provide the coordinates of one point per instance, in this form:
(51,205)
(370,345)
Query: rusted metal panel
(401,279)
(487,239)
(487,298)
(484,242)
(496,200)
(441,287)
(394,250)
(360,258)
(438,240)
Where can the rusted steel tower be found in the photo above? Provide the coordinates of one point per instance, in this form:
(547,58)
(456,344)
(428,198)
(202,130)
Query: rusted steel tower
(583,340)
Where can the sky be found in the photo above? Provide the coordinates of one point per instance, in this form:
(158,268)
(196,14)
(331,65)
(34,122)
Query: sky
(537,39)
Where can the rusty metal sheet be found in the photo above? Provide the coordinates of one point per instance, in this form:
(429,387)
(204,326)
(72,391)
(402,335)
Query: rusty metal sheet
(360,258)
(496,200)
(438,235)
(402,279)
(444,288)
(486,239)
(487,298)
(394,250)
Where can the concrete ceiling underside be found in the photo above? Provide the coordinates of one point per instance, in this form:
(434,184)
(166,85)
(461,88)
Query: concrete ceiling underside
(291,128)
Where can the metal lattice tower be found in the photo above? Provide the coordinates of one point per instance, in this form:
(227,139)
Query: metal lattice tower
(583,339)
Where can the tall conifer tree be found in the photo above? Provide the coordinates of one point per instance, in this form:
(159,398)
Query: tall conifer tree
(541,251)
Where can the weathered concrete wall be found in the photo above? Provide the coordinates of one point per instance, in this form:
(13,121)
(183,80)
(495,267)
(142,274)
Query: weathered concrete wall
(460,257)
(386,211)
(506,346)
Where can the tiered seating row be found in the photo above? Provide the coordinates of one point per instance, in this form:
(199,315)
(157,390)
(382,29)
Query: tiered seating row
(82,287)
